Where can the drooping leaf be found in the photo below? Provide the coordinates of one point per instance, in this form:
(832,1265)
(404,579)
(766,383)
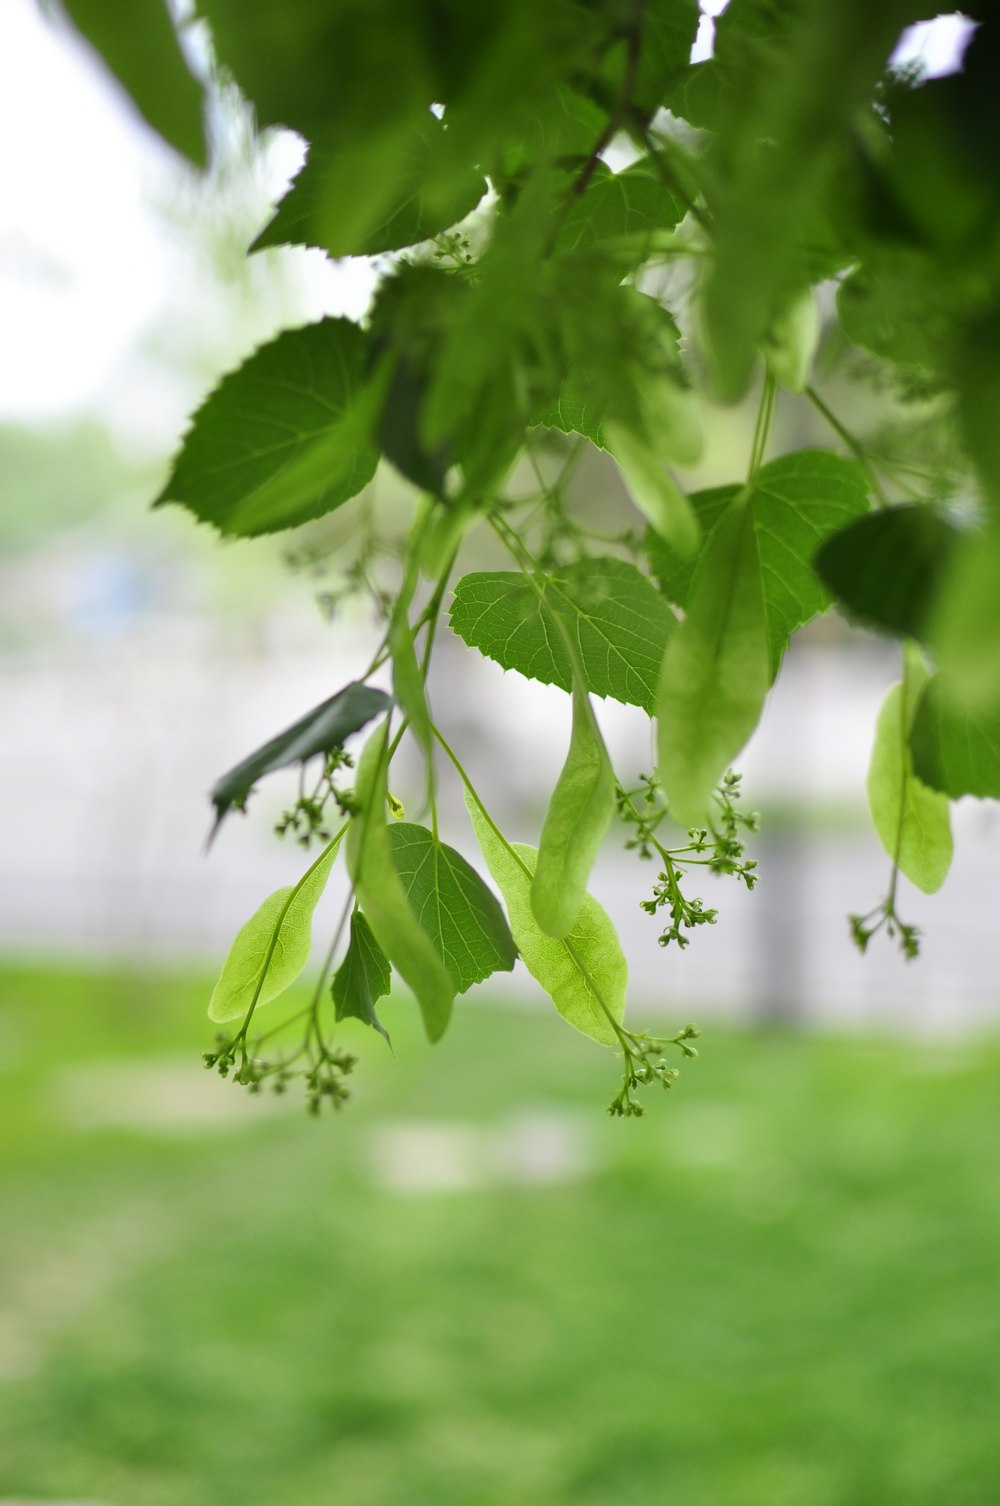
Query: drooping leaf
(364,977)
(912,820)
(797,502)
(955,749)
(459,914)
(887,569)
(964,625)
(421,196)
(585,975)
(325,727)
(579,811)
(273,947)
(618,621)
(790,344)
(383,899)
(653,490)
(284,438)
(716,669)
(139,43)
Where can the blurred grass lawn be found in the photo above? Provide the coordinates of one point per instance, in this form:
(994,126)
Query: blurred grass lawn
(781,1286)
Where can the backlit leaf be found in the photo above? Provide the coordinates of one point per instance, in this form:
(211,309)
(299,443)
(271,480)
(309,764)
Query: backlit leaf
(585,975)
(912,820)
(580,809)
(383,898)
(618,621)
(797,502)
(716,669)
(273,947)
(284,438)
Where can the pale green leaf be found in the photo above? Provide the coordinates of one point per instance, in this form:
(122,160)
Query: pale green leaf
(912,820)
(459,914)
(716,669)
(653,490)
(797,503)
(618,621)
(790,344)
(284,438)
(273,947)
(579,811)
(363,977)
(585,975)
(383,898)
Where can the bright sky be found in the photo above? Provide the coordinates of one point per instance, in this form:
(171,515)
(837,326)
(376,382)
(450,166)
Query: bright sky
(85,268)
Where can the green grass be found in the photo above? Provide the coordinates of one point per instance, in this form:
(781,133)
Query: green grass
(778,1289)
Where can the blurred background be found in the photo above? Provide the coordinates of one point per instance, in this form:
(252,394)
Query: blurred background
(471,1287)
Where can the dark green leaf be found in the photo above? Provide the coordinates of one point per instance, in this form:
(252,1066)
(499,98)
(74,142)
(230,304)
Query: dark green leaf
(321,730)
(139,44)
(284,438)
(458,913)
(364,977)
(796,503)
(617,620)
(955,750)
(414,195)
(631,205)
(383,898)
(887,569)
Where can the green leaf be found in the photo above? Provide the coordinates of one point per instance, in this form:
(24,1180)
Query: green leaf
(383,898)
(363,977)
(912,821)
(791,342)
(459,914)
(653,490)
(325,727)
(577,818)
(955,749)
(632,204)
(273,947)
(139,43)
(618,621)
(888,568)
(964,626)
(797,502)
(580,974)
(284,438)
(417,195)
(716,669)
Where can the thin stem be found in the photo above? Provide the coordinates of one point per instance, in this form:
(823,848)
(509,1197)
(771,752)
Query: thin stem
(762,429)
(855,446)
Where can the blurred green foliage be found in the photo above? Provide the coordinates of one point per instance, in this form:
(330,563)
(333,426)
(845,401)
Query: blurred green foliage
(781,1291)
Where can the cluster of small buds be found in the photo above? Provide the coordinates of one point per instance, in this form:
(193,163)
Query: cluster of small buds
(645,1063)
(325,1081)
(323,1076)
(307,818)
(864,927)
(721,850)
